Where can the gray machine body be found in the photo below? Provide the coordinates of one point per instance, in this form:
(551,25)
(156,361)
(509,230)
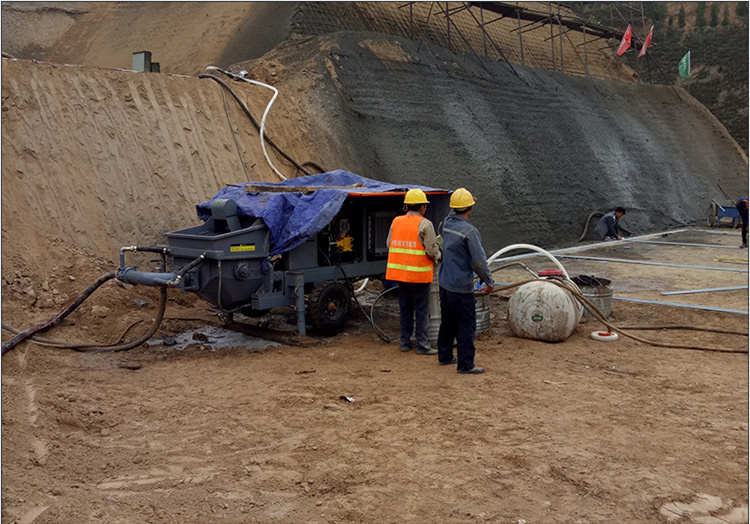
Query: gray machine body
(235,271)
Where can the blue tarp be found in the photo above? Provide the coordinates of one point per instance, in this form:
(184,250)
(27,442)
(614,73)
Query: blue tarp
(293,218)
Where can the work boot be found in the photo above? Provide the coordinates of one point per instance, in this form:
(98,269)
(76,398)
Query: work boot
(405,348)
(476,370)
(427,351)
(454,361)
(743,245)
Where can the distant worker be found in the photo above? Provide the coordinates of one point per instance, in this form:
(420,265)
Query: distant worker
(742,208)
(608,227)
(463,256)
(412,251)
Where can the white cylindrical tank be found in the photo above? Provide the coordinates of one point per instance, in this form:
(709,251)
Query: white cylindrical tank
(542,310)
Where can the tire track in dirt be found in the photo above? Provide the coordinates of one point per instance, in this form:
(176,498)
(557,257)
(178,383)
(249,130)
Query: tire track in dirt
(39,445)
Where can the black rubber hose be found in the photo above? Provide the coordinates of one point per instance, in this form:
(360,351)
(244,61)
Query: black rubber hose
(113,347)
(66,345)
(64,313)
(141,340)
(250,116)
(316,166)
(378,331)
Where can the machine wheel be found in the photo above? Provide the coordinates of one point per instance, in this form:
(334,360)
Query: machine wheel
(329,306)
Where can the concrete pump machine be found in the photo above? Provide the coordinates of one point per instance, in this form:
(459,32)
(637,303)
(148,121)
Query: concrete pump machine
(301,243)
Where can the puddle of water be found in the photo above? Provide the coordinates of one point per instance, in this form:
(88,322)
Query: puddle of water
(216,337)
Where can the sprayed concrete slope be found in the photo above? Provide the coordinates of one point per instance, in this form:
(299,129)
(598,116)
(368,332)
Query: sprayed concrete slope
(540,150)
(105,158)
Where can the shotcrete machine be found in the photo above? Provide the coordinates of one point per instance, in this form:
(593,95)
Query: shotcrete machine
(263,246)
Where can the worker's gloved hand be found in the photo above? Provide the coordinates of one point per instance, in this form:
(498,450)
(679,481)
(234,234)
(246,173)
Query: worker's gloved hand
(487,289)
(440,241)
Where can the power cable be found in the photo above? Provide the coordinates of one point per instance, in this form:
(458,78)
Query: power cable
(234,135)
(254,122)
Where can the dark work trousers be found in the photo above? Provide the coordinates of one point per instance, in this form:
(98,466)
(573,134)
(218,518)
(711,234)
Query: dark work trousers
(458,321)
(743,219)
(413,301)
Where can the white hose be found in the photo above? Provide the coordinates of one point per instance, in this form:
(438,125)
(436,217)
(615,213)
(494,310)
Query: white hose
(265,113)
(532,248)
(360,288)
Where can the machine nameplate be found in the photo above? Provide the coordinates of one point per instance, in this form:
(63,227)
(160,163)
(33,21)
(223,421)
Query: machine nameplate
(242,247)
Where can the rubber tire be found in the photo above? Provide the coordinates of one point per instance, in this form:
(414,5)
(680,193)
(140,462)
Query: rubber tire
(329,306)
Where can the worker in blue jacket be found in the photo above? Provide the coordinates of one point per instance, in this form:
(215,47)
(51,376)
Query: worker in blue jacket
(742,208)
(608,227)
(463,256)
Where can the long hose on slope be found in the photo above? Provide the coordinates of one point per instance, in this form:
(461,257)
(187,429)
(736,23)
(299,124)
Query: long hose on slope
(247,112)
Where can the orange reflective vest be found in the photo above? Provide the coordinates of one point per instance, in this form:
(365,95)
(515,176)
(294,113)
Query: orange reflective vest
(407,260)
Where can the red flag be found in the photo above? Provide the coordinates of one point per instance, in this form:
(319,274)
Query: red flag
(625,43)
(646,43)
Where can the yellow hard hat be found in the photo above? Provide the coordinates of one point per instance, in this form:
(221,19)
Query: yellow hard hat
(415,196)
(461,199)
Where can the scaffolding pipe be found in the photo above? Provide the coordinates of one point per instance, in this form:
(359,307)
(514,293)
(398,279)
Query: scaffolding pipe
(681,244)
(677,304)
(706,290)
(626,261)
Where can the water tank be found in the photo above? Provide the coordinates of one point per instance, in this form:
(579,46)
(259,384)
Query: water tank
(541,310)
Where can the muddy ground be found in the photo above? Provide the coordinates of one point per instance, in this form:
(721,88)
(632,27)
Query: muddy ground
(575,432)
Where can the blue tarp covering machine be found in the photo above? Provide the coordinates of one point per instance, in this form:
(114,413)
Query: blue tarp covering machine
(266,245)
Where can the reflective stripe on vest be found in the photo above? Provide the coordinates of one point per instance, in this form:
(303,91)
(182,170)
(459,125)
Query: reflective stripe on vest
(407,260)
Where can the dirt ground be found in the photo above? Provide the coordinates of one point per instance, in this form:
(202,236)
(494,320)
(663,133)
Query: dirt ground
(212,430)
(574,432)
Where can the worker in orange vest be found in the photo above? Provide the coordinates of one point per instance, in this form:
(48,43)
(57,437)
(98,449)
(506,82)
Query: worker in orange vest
(412,251)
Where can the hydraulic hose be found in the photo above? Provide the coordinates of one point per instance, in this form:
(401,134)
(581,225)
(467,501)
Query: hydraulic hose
(67,345)
(379,332)
(255,123)
(586,225)
(532,248)
(29,333)
(12,343)
(316,166)
(263,119)
(141,340)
